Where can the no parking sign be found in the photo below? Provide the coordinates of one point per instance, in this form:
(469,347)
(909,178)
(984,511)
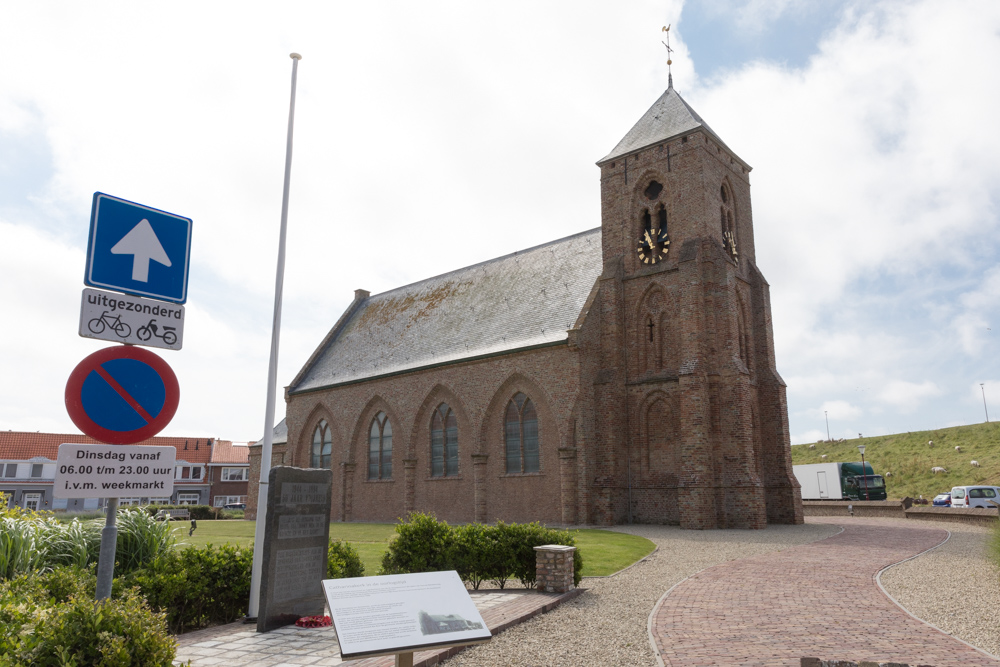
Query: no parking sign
(122,395)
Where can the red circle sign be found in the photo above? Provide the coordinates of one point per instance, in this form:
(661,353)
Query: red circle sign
(122,395)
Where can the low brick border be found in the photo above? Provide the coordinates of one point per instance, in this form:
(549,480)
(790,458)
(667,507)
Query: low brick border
(497,618)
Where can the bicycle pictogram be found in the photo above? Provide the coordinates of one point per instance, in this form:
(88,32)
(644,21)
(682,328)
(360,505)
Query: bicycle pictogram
(98,324)
(150,329)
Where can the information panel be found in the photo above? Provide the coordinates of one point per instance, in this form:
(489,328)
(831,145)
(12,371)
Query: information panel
(400,613)
(114,471)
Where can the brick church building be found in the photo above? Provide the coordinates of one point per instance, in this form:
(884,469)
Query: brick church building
(622,374)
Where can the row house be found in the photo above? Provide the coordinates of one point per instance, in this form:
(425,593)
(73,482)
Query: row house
(28,470)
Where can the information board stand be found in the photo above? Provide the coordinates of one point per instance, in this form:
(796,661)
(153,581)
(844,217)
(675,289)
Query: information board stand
(402,613)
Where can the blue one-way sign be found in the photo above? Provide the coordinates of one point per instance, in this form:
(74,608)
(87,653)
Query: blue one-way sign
(137,249)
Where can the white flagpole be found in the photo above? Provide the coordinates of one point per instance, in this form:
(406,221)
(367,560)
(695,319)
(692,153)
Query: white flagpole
(272,370)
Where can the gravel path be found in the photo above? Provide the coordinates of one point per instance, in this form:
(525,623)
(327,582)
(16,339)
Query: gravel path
(607,624)
(955,587)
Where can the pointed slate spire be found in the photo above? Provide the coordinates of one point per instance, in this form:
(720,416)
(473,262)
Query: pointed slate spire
(669,117)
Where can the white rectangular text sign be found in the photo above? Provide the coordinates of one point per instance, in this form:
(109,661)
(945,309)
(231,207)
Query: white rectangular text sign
(114,471)
(122,318)
(400,613)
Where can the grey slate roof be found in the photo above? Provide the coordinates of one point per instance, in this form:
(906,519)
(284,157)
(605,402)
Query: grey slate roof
(279,435)
(670,116)
(526,299)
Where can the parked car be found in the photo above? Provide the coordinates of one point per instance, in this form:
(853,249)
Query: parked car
(235,506)
(975,496)
(942,500)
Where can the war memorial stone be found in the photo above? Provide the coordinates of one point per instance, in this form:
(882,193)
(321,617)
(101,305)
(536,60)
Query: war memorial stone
(296,539)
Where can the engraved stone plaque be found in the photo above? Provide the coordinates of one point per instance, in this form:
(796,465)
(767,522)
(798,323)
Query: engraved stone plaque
(296,539)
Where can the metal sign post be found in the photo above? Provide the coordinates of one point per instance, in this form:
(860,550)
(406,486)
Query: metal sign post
(124,395)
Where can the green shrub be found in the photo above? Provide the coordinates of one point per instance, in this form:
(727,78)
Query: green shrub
(522,542)
(343,561)
(197,587)
(229,514)
(481,554)
(476,551)
(52,619)
(422,544)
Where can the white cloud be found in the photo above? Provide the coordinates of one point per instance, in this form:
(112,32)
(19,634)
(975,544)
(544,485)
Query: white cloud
(429,138)
(839,410)
(907,396)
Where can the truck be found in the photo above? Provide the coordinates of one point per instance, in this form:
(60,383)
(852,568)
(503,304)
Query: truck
(839,481)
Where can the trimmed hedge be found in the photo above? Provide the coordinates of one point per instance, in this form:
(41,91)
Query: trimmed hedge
(478,552)
(343,561)
(197,587)
(52,619)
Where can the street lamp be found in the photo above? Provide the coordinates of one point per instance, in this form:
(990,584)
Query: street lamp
(984,402)
(864,471)
(827,425)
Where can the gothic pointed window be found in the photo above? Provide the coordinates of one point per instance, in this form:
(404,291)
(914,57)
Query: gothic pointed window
(727,221)
(521,435)
(444,442)
(380,448)
(322,445)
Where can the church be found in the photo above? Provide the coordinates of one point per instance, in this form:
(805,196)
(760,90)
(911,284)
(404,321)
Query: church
(624,374)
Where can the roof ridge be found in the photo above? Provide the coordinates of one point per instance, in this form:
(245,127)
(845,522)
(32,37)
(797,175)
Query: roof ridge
(488,261)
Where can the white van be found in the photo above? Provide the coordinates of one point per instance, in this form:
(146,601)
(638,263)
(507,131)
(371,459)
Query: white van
(975,496)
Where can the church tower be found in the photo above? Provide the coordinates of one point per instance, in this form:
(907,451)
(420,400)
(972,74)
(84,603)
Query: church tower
(690,414)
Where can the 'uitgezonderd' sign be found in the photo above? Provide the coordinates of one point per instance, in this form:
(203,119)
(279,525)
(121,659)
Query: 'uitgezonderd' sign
(114,471)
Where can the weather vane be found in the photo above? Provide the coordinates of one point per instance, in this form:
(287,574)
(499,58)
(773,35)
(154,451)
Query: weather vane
(670,76)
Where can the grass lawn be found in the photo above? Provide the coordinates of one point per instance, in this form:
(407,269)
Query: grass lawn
(604,552)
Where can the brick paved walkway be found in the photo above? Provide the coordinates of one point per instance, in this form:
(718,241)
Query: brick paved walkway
(819,600)
(238,644)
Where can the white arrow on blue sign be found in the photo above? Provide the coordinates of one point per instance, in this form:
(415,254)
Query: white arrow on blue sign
(137,249)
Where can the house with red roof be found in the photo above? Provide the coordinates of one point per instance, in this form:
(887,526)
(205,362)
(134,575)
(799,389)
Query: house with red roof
(28,469)
(229,473)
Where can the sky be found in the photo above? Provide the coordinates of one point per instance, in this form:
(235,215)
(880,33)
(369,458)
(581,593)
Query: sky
(431,136)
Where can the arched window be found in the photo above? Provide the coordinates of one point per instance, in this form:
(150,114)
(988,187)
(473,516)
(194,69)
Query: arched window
(727,220)
(521,435)
(322,445)
(444,442)
(380,448)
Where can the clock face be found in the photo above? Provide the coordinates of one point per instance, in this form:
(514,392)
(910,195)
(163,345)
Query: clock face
(730,244)
(653,246)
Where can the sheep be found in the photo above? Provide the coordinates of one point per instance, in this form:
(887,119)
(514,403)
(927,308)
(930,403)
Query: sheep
(812,446)
(888,474)
(937,469)
(974,464)
(957,448)
(930,443)
(823,456)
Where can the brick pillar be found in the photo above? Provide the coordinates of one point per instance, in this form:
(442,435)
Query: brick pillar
(567,484)
(409,485)
(346,490)
(479,482)
(554,568)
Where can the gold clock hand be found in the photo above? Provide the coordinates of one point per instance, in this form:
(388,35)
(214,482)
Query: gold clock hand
(648,240)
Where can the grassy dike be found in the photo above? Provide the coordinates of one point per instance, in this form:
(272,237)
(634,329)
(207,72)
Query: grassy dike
(909,458)
(605,551)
